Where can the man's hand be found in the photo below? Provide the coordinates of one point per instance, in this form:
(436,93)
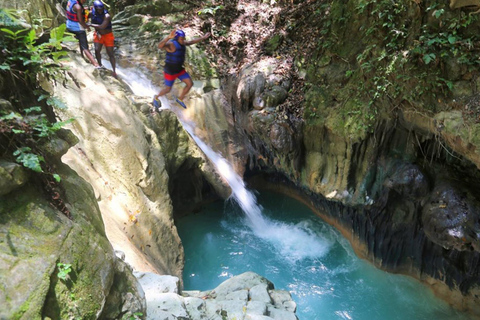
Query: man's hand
(208,34)
(172,34)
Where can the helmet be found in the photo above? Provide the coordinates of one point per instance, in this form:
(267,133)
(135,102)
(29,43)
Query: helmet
(98,4)
(179,33)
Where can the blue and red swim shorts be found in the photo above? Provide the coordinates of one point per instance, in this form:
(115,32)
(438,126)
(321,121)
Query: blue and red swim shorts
(170,78)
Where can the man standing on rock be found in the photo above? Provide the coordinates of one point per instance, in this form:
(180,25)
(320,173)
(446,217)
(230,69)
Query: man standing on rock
(175,46)
(76,24)
(102,22)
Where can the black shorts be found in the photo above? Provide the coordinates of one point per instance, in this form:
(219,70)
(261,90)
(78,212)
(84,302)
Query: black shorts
(172,68)
(82,38)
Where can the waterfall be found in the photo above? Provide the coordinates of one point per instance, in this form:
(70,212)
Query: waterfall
(290,240)
(245,198)
(141,86)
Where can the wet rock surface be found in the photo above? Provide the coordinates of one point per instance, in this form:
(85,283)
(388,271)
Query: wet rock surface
(246,296)
(451,217)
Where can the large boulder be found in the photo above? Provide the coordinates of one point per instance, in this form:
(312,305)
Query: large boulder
(53,266)
(246,296)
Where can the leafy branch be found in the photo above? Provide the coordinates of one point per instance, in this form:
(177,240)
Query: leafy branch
(25,127)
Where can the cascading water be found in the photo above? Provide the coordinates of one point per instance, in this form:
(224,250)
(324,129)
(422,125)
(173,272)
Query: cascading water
(288,239)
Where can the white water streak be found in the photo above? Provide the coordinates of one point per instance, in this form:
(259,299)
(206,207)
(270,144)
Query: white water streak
(245,198)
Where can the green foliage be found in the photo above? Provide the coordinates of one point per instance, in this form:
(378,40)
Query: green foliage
(29,160)
(24,129)
(394,51)
(211,11)
(135,316)
(30,130)
(28,57)
(451,41)
(64,270)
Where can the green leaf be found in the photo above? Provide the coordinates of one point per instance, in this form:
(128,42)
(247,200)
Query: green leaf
(10,32)
(452,39)
(57,55)
(63,270)
(4,67)
(32,109)
(11,116)
(30,37)
(55,102)
(18,131)
(438,13)
(429,58)
(42,97)
(56,34)
(57,177)
(29,160)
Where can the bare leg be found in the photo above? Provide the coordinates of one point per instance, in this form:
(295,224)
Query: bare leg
(90,57)
(189,85)
(163,92)
(111,55)
(98,52)
(81,50)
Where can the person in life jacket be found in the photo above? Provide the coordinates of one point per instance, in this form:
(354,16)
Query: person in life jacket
(101,20)
(76,24)
(175,46)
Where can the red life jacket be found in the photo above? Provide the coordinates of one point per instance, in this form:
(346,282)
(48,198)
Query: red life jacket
(71,15)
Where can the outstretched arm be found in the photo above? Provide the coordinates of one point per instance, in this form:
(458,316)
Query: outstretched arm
(196,40)
(165,44)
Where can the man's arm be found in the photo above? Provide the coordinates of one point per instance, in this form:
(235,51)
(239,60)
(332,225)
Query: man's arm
(79,10)
(193,41)
(104,24)
(165,44)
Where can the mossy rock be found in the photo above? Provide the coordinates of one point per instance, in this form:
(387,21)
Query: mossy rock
(12,176)
(198,64)
(273,43)
(153,26)
(159,8)
(317,102)
(40,236)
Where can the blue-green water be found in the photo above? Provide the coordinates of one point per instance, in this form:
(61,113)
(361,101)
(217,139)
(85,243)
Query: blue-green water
(300,253)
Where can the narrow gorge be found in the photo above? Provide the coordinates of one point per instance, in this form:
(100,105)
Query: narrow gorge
(366,111)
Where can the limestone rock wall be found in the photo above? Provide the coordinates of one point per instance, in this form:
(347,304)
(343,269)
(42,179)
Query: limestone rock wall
(36,10)
(142,165)
(36,237)
(404,195)
(121,157)
(394,190)
(383,186)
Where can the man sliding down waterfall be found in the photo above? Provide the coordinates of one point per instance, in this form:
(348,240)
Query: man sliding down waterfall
(175,46)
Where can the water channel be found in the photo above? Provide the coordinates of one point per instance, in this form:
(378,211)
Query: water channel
(300,253)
